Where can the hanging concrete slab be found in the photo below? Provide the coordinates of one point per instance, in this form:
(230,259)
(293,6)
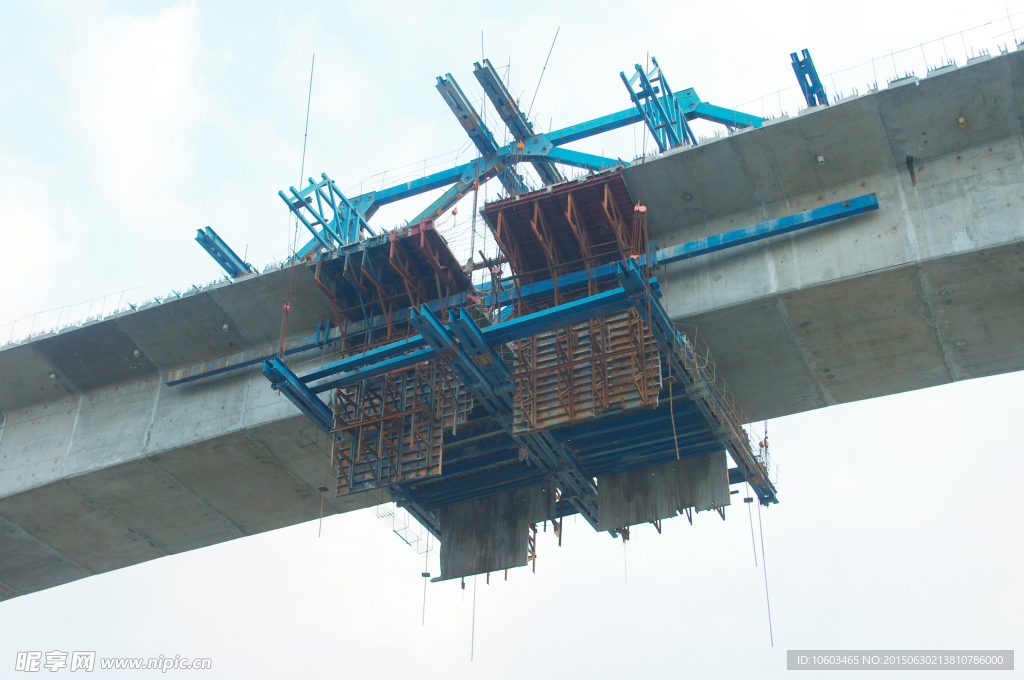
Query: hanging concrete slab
(490,534)
(659,491)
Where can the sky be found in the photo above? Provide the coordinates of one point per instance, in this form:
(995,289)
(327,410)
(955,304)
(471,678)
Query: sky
(125,126)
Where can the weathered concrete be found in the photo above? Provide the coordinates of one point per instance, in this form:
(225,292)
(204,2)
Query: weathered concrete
(927,290)
(490,533)
(656,492)
(104,466)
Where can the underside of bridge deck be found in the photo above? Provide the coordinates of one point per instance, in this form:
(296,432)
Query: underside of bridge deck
(147,433)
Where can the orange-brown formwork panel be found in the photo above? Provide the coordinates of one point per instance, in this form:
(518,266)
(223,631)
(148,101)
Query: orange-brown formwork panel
(564,228)
(390,428)
(580,371)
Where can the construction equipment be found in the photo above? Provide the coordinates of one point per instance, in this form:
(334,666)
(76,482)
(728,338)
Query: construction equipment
(560,387)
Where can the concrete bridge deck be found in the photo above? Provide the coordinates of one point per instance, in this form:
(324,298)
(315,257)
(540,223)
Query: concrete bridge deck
(103,465)
(925,291)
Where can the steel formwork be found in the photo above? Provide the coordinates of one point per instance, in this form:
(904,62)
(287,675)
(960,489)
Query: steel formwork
(567,380)
(382,276)
(541,413)
(564,228)
(564,369)
(390,429)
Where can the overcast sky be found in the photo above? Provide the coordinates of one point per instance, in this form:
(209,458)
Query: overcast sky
(126,126)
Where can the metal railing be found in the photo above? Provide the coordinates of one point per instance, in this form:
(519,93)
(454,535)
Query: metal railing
(714,391)
(65,316)
(1000,35)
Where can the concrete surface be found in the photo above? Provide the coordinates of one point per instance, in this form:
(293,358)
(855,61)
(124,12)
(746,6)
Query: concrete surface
(491,533)
(656,492)
(103,466)
(927,290)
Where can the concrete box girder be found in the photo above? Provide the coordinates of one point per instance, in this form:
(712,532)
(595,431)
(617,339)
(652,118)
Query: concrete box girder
(105,465)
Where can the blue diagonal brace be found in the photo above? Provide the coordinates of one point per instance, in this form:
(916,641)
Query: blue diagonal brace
(282,378)
(512,116)
(222,253)
(487,386)
(297,211)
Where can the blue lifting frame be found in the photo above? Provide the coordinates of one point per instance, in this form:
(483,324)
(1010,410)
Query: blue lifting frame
(565,284)
(330,231)
(807,76)
(471,353)
(222,253)
(661,110)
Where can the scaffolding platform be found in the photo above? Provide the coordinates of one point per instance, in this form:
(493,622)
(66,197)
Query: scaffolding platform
(560,386)
(564,375)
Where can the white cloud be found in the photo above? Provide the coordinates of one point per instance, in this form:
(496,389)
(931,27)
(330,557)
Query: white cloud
(136,94)
(28,238)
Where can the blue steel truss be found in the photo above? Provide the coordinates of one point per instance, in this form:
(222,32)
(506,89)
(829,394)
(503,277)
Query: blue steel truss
(543,151)
(661,110)
(571,457)
(403,351)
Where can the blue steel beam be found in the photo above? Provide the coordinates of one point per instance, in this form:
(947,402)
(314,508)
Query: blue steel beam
(415,187)
(723,116)
(222,253)
(703,246)
(513,117)
(370,356)
(784,225)
(810,84)
(563,315)
(393,363)
(501,165)
(282,378)
(501,162)
(257,356)
(499,95)
(417,348)
(540,148)
(497,165)
(470,120)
